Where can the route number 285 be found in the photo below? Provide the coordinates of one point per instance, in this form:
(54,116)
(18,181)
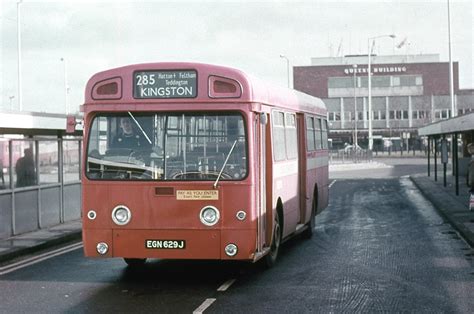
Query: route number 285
(145,79)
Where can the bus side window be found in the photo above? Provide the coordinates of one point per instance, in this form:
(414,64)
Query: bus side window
(324,134)
(278,137)
(318,135)
(310,134)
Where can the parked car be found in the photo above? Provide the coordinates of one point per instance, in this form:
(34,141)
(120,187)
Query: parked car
(349,148)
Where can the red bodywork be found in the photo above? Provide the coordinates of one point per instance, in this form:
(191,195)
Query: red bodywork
(161,215)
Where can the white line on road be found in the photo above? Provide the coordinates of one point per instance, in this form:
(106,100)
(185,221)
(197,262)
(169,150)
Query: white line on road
(207,303)
(226,285)
(331,184)
(39,258)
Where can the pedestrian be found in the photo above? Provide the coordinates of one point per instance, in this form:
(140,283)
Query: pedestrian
(470,176)
(25,169)
(1,174)
(470,168)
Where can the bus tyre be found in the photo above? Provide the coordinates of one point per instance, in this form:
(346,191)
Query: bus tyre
(271,258)
(308,233)
(135,262)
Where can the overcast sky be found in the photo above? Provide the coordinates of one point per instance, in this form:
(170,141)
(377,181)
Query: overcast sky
(96,35)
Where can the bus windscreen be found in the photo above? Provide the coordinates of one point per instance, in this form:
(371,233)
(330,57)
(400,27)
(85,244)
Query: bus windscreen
(167,146)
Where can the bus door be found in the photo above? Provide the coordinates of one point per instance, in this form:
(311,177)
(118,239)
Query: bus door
(260,144)
(303,197)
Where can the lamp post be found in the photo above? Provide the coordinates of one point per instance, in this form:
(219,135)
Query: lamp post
(451,82)
(18,34)
(66,87)
(11,101)
(287,68)
(354,66)
(370,42)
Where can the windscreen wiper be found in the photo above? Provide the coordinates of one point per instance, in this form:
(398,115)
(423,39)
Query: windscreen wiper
(139,126)
(225,164)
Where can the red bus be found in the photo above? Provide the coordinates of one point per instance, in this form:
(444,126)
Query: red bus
(197,161)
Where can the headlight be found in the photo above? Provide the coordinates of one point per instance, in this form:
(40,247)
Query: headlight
(102,248)
(209,215)
(231,249)
(121,215)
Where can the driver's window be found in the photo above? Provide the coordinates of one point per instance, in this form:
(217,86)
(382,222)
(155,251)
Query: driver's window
(98,136)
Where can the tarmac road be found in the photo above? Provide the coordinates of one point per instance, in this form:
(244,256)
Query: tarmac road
(379,247)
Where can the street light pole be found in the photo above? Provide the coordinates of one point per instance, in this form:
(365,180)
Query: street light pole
(11,101)
(18,33)
(370,42)
(287,68)
(451,81)
(66,88)
(354,66)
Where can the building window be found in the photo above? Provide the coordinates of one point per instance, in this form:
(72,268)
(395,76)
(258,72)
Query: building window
(442,113)
(405,114)
(340,82)
(376,115)
(380,81)
(392,115)
(348,116)
(419,81)
(410,80)
(383,115)
(420,114)
(395,81)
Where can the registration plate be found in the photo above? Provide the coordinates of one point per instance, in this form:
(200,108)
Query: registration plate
(165,244)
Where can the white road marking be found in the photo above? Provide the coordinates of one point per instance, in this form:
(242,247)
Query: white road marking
(39,258)
(331,184)
(207,303)
(226,285)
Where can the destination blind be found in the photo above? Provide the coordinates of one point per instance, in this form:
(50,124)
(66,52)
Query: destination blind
(165,84)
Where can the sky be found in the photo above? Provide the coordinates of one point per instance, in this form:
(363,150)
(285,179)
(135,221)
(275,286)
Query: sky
(69,41)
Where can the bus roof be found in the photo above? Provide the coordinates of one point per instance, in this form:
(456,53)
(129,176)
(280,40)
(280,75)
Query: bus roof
(213,82)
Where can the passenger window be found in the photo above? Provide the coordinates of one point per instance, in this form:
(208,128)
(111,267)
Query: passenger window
(324,134)
(318,135)
(279,136)
(291,137)
(310,134)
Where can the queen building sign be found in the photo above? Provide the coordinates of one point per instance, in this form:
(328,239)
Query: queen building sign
(165,84)
(376,69)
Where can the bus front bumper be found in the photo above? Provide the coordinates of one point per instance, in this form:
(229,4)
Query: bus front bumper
(171,244)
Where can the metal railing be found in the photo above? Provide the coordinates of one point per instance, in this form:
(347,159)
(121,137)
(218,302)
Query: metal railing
(39,183)
(349,156)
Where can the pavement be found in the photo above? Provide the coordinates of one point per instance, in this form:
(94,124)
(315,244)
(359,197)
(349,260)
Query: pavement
(454,209)
(33,242)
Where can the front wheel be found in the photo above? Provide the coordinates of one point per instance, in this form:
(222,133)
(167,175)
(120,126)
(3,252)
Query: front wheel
(271,258)
(135,262)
